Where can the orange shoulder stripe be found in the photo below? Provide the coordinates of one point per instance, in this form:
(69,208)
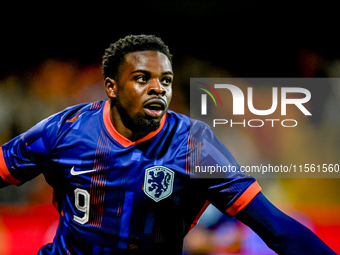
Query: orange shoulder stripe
(4,172)
(207,203)
(244,199)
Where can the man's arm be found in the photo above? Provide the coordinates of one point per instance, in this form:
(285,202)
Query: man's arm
(280,232)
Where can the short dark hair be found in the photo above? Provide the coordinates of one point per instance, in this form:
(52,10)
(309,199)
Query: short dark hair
(115,54)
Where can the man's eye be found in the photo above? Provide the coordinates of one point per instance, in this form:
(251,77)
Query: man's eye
(166,81)
(141,79)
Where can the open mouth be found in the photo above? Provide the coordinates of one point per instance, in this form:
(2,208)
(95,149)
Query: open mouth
(154,107)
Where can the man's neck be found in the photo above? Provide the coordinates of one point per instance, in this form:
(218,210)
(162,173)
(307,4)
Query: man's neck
(122,129)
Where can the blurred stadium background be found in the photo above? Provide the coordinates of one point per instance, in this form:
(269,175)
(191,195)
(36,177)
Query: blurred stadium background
(51,57)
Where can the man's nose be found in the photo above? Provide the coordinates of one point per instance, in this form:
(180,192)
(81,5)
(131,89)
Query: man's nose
(155,87)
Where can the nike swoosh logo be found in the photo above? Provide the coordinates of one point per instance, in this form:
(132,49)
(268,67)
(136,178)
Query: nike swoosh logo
(81,172)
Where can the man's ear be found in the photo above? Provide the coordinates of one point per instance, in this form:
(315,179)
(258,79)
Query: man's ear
(110,88)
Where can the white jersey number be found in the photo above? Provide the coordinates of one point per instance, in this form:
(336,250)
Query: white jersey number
(85,208)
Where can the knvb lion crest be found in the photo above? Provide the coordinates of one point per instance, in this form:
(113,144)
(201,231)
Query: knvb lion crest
(158,182)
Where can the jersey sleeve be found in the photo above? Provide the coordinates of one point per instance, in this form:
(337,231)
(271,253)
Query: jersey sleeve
(25,156)
(228,187)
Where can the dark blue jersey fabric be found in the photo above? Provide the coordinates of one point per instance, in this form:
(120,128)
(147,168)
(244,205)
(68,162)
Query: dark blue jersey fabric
(280,232)
(114,195)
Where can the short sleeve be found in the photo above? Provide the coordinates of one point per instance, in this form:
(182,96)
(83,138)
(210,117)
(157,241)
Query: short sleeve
(228,187)
(25,156)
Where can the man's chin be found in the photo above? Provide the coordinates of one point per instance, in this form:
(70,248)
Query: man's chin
(140,122)
(146,125)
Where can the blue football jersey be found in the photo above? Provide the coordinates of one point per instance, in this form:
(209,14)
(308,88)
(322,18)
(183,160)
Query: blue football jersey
(114,195)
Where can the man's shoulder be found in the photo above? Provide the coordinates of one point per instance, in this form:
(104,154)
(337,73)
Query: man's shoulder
(72,113)
(84,107)
(68,118)
(193,126)
(176,117)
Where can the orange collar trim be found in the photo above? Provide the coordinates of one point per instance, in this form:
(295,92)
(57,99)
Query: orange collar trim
(118,137)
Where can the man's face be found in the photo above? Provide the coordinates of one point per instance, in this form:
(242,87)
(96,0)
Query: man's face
(144,90)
